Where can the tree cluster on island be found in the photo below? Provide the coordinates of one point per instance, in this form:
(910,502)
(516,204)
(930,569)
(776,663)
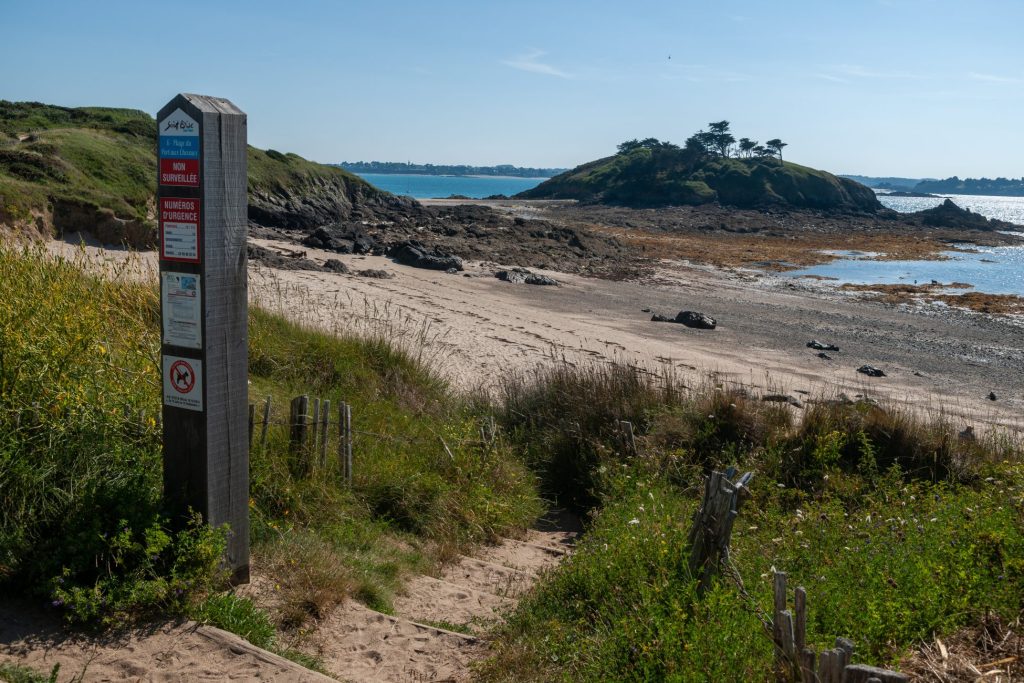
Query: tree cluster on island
(398,167)
(717,140)
(711,166)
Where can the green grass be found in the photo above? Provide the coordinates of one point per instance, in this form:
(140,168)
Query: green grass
(898,530)
(82,524)
(14,673)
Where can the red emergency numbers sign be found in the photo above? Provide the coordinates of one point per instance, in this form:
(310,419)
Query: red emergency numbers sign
(179,172)
(179,229)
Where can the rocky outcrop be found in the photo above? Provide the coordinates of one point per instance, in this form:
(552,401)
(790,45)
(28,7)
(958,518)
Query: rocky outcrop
(949,215)
(343,240)
(697,320)
(870,371)
(325,200)
(693,319)
(418,255)
(524,276)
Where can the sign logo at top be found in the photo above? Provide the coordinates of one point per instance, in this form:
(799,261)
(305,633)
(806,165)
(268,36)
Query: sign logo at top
(179,136)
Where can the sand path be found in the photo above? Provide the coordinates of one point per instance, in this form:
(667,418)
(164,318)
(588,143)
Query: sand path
(354,643)
(435,633)
(165,652)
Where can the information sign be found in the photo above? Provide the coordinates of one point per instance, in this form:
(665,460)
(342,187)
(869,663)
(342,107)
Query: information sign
(179,229)
(181,298)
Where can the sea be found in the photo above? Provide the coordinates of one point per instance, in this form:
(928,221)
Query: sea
(994,270)
(421,186)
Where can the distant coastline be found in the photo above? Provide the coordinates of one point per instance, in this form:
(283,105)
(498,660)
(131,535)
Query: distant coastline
(456,170)
(989,187)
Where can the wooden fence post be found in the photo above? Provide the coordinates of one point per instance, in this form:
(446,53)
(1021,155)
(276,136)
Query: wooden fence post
(266,423)
(252,421)
(299,436)
(314,436)
(796,661)
(344,446)
(712,524)
(348,444)
(325,419)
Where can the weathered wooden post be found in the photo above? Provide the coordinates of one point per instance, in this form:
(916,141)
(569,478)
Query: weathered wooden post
(202,212)
(299,435)
(712,524)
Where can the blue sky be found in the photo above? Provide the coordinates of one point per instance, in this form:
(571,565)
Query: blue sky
(879,87)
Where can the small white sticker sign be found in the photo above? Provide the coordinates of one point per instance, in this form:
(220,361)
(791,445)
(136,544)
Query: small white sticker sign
(182,309)
(183,383)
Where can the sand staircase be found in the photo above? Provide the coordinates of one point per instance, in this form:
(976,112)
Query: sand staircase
(356,643)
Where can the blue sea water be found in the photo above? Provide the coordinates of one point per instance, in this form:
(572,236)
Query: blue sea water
(994,270)
(1010,209)
(440,186)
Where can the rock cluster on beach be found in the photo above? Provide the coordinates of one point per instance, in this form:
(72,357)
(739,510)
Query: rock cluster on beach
(693,319)
(524,276)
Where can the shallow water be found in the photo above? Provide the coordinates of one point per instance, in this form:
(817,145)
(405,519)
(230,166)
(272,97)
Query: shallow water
(1002,208)
(994,270)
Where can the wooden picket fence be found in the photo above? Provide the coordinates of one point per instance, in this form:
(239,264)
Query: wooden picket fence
(709,541)
(309,425)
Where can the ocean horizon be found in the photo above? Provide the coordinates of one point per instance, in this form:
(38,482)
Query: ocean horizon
(423,186)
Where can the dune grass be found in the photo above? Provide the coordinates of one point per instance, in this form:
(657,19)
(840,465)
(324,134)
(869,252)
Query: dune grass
(899,529)
(82,525)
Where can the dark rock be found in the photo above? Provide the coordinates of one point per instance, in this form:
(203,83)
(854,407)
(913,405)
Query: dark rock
(992,396)
(870,371)
(375,273)
(824,356)
(523,276)
(416,254)
(658,318)
(783,398)
(280,261)
(645,310)
(335,266)
(696,320)
(819,346)
(949,215)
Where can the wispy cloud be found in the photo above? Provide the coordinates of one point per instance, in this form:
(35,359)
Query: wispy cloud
(531,61)
(832,77)
(992,78)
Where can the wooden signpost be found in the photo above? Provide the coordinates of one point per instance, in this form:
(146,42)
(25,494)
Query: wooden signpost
(202,213)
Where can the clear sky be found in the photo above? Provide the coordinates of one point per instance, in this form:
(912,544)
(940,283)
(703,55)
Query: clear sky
(879,87)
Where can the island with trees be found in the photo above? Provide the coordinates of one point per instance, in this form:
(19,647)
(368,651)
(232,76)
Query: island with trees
(397,167)
(711,166)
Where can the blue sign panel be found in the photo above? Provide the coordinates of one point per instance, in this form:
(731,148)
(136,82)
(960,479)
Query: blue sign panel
(179,147)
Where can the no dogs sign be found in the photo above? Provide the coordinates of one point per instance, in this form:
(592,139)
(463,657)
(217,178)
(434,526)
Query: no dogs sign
(183,383)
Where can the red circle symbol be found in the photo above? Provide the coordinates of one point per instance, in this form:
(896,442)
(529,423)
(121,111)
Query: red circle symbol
(182,377)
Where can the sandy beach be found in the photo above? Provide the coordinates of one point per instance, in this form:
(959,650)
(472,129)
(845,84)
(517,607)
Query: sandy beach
(474,328)
(477,327)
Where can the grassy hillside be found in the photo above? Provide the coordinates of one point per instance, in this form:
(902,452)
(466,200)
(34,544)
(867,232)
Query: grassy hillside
(71,168)
(670,176)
